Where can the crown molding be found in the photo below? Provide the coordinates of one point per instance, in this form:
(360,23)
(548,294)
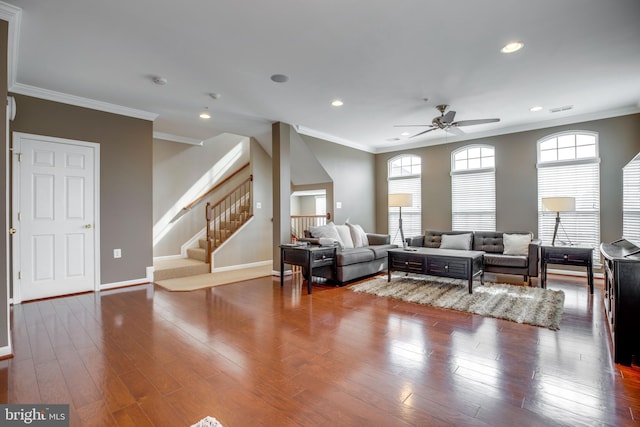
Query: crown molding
(13,16)
(175,138)
(78,101)
(331,138)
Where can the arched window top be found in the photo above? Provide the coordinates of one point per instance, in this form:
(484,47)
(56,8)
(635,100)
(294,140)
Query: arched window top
(473,157)
(568,147)
(404,166)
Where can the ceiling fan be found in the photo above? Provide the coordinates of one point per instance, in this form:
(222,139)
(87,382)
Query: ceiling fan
(446,123)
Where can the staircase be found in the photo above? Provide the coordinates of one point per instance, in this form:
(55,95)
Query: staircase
(224,218)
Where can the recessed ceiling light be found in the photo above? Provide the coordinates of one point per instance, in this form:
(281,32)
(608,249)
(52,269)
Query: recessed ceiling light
(279,78)
(536,108)
(405,133)
(512,47)
(337,103)
(205,114)
(161,81)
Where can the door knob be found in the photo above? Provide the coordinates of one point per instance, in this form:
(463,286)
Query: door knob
(87,226)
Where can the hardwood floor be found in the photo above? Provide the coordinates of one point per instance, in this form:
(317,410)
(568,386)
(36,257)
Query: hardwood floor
(251,354)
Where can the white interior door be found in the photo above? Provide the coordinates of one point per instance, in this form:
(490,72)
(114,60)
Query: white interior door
(54,216)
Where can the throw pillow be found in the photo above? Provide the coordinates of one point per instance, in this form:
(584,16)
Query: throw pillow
(358,236)
(456,241)
(345,236)
(328,231)
(516,244)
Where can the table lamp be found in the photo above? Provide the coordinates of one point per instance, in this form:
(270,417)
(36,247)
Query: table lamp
(401,200)
(557,205)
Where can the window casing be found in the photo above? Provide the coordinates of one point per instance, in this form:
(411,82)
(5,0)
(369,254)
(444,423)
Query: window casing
(569,166)
(404,177)
(473,188)
(631,200)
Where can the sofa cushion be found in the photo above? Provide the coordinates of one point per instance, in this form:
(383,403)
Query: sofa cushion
(432,238)
(345,236)
(354,256)
(516,244)
(380,251)
(328,231)
(456,241)
(501,260)
(358,235)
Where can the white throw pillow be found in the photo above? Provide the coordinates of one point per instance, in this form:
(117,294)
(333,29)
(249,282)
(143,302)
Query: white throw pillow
(456,241)
(345,235)
(516,244)
(358,236)
(328,231)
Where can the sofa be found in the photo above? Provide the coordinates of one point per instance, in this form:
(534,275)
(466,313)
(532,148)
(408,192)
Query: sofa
(359,254)
(514,252)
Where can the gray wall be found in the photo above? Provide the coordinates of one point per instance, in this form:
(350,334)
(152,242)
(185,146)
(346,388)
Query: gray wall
(516,176)
(4,288)
(353,173)
(125,177)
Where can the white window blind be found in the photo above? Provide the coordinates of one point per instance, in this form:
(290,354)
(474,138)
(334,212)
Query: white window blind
(579,228)
(404,177)
(473,201)
(473,188)
(631,200)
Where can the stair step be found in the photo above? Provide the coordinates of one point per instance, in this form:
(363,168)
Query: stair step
(197,253)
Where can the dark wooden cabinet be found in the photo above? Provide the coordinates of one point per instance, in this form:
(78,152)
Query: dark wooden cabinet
(307,257)
(622,298)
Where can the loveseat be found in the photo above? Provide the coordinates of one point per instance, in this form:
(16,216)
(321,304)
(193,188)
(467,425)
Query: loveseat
(514,252)
(358,254)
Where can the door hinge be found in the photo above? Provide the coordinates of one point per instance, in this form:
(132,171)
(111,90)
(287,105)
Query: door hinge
(19,216)
(19,275)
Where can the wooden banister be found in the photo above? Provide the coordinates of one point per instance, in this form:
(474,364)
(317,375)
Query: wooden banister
(227,215)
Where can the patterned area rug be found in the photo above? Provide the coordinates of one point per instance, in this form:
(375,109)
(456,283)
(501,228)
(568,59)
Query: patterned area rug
(534,306)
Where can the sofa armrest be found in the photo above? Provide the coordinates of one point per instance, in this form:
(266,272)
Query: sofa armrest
(415,241)
(378,239)
(534,257)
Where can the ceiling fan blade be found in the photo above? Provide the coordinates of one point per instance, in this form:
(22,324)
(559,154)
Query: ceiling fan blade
(421,133)
(407,126)
(474,122)
(448,118)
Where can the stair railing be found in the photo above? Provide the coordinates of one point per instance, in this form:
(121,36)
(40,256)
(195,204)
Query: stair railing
(299,223)
(227,215)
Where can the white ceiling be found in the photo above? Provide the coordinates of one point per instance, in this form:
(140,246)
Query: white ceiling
(381,58)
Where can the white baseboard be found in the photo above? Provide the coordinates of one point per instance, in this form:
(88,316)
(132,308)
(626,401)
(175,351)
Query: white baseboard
(6,351)
(148,279)
(241,266)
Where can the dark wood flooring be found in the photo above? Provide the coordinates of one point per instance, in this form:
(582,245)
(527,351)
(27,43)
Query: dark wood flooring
(251,354)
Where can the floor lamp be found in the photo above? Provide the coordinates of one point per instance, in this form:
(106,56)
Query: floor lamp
(401,200)
(557,205)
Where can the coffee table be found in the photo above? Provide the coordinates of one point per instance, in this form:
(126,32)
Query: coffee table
(457,264)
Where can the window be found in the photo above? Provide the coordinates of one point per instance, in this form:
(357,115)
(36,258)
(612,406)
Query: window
(404,177)
(569,166)
(631,200)
(473,188)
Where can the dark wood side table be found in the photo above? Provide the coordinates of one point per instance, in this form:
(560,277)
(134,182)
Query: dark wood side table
(307,257)
(566,255)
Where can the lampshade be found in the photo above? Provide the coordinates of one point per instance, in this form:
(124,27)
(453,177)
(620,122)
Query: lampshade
(559,204)
(401,200)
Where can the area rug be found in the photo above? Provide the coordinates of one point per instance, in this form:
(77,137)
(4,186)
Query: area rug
(217,278)
(522,304)
(207,422)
